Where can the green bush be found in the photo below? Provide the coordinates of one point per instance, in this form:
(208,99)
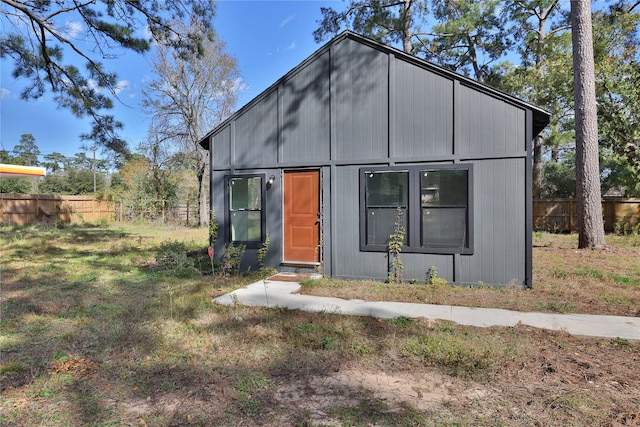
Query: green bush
(213,227)
(433,280)
(630,228)
(232,259)
(394,248)
(172,258)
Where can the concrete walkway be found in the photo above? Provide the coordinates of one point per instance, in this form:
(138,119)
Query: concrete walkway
(272,293)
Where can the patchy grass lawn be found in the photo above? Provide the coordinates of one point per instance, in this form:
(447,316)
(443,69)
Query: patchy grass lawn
(95,332)
(566,280)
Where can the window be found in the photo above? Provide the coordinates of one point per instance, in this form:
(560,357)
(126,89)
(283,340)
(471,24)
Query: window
(386,191)
(245,207)
(444,206)
(435,202)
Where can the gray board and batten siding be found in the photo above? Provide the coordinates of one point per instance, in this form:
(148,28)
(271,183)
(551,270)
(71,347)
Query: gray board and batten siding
(356,103)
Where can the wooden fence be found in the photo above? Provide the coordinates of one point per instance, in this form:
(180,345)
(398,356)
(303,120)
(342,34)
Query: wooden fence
(561,215)
(159,210)
(22,209)
(556,215)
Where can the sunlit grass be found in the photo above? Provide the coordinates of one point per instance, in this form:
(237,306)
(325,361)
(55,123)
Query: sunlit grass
(93,333)
(566,280)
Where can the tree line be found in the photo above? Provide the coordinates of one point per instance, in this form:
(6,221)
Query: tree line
(195,83)
(133,183)
(524,47)
(65,175)
(581,65)
(531,49)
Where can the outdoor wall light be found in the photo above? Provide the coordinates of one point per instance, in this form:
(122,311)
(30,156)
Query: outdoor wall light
(271,180)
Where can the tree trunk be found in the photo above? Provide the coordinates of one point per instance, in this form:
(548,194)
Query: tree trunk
(406,27)
(538,144)
(538,141)
(203,206)
(591,231)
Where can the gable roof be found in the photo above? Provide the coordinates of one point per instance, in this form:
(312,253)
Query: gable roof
(540,116)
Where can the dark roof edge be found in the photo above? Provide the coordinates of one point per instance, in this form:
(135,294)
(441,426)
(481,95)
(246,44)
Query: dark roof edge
(540,117)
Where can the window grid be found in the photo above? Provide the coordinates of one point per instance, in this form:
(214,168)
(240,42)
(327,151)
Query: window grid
(245,203)
(437,208)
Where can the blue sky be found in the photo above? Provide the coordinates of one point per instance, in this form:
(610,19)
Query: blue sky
(267,38)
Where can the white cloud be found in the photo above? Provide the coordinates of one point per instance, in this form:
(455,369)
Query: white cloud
(280,50)
(121,85)
(240,85)
(287,20)
(5,93)
(73,28)
(291,46)
(146,34)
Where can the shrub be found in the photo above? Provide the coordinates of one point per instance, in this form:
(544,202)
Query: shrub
(394,248)
(262,252)
(213,227)
(172,258)
(433,280)
(232,258)
(629,227)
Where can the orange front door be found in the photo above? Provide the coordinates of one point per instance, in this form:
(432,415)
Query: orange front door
(302,216)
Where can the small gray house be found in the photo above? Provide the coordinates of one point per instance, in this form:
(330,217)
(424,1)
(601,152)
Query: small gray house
(324,159)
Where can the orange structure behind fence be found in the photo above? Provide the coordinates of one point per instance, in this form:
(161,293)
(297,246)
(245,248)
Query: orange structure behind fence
(22,209)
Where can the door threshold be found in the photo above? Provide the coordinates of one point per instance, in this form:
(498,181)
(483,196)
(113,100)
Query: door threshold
(299,264)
